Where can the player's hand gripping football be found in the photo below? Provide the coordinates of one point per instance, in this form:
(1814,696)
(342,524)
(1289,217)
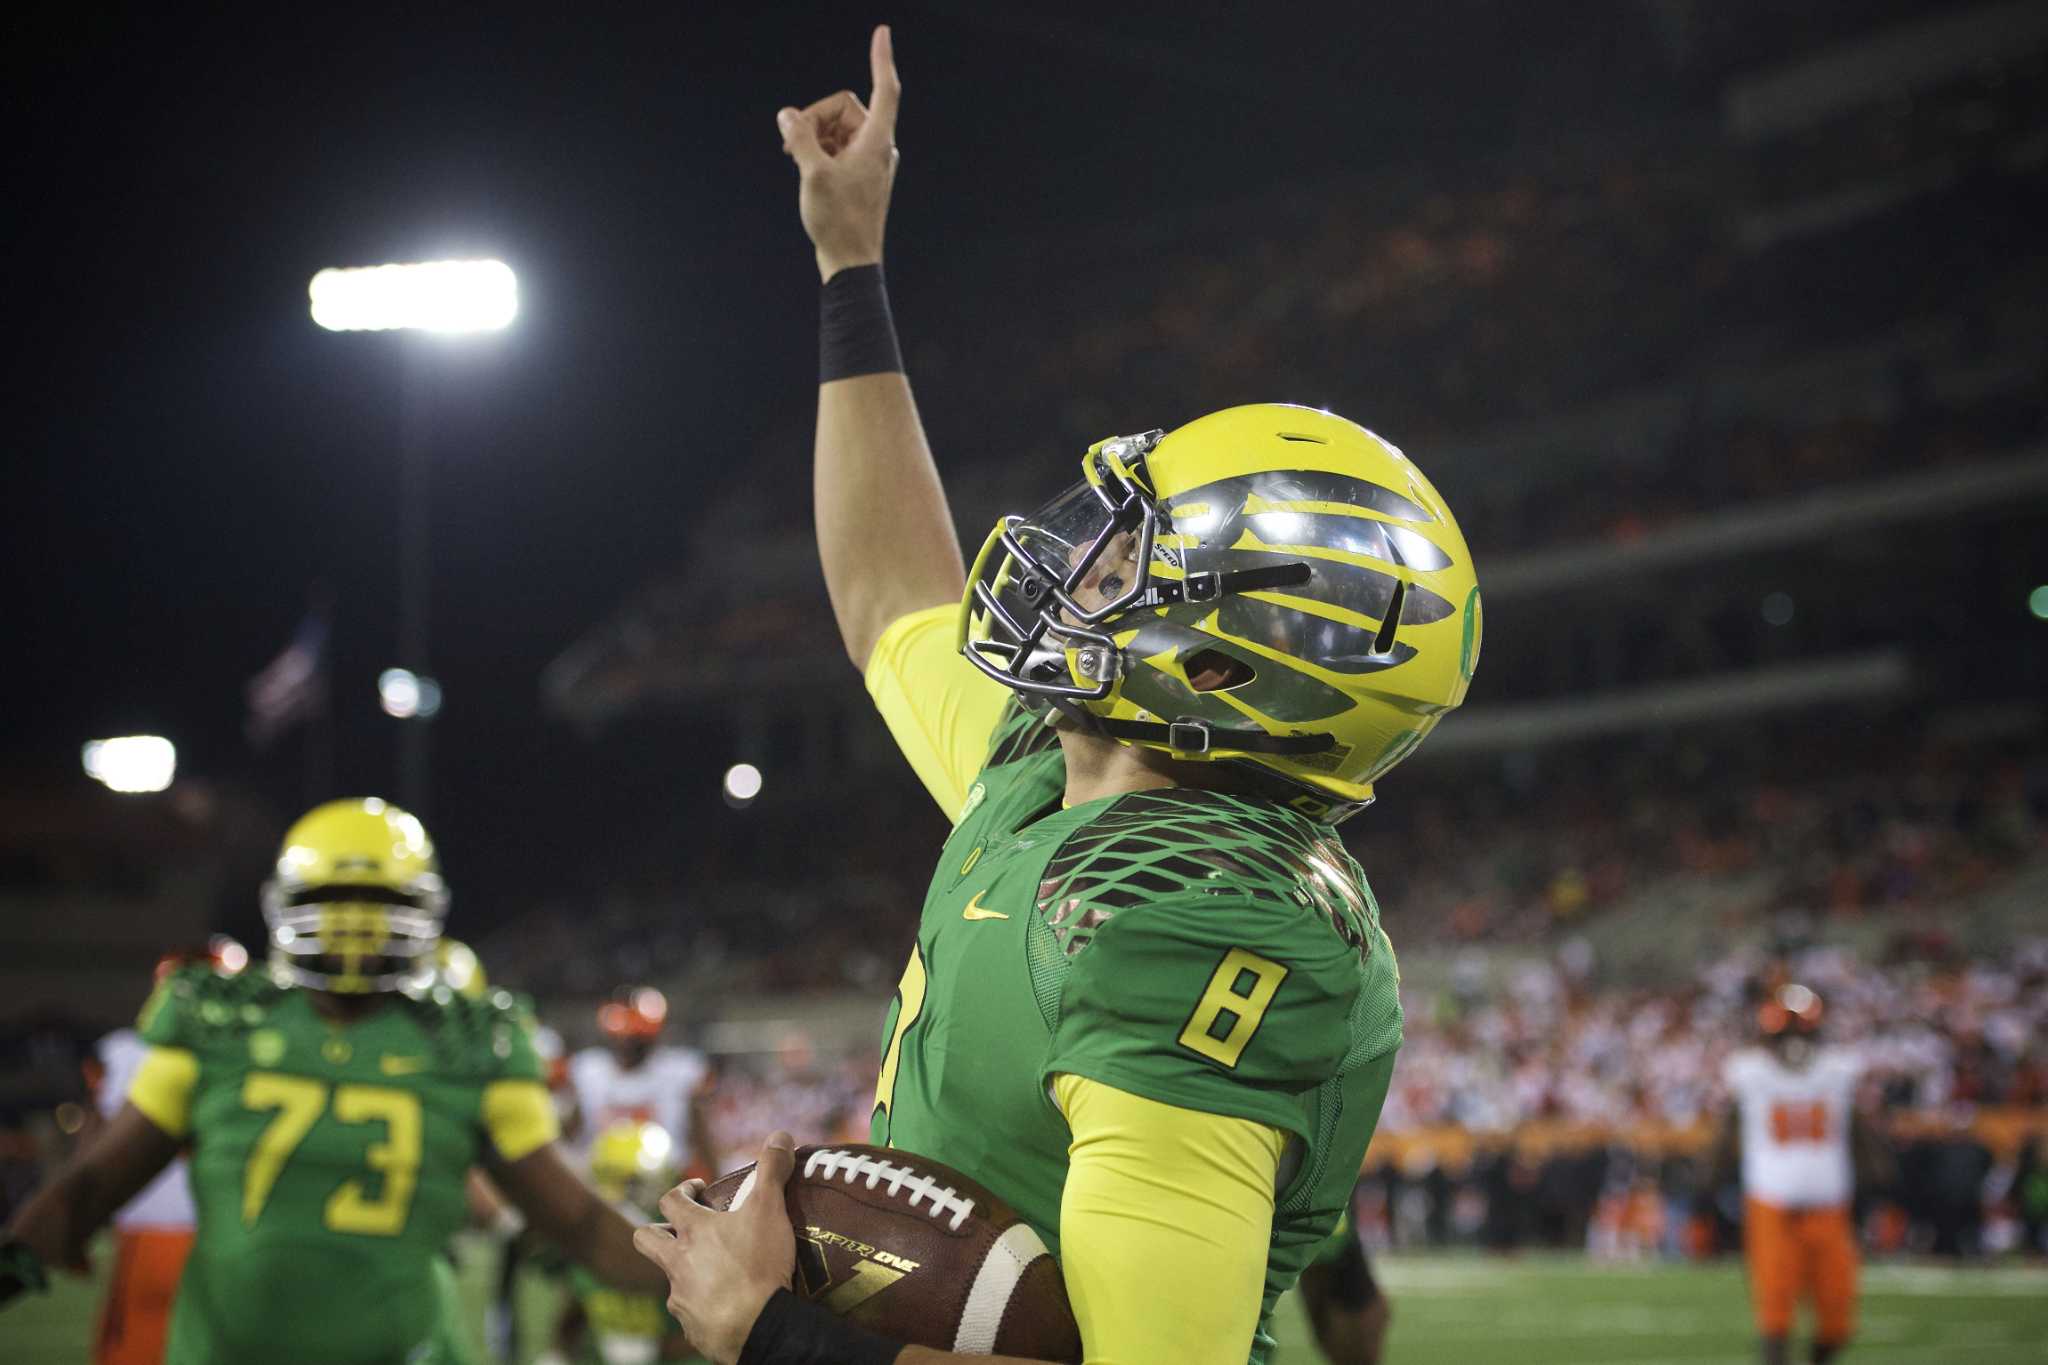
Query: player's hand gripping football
(845,154)
(722,1267)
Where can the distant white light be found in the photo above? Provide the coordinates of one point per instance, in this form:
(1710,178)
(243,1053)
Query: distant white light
(742,784)
(132,763)
(431,296)
(398,691)
(655,1145)
(232,955)
(406,695)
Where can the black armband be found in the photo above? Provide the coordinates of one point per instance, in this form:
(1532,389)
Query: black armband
(20,1269)
(855,333)
(794,1331)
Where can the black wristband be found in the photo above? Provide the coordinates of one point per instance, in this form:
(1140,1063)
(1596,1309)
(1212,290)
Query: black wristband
(794,1331)
(855,333)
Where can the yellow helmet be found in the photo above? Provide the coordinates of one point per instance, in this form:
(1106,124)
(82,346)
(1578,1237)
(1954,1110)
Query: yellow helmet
(357,900)
(634,1162)
(1269,585)
(457,967)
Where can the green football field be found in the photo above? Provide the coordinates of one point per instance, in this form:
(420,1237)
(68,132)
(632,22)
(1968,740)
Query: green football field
(1537,1310)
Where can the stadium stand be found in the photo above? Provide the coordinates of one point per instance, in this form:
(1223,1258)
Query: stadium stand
(1744,418)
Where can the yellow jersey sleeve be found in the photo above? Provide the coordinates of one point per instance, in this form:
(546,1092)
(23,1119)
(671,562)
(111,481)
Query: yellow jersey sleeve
(940,708)
(162,1089)
(1186,1193)
(519,1117)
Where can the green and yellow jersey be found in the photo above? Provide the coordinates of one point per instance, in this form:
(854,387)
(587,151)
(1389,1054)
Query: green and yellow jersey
(1198,950)
(328,1159)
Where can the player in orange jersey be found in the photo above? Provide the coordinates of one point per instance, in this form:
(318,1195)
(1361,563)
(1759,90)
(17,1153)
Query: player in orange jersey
(636,1077)
(1792,1123)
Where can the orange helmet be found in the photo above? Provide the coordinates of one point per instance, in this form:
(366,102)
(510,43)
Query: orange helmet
(633,1012)
(1793,1010)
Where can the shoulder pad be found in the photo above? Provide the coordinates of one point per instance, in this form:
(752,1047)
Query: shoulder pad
(475,1036)
(1179,843)
(196,1002)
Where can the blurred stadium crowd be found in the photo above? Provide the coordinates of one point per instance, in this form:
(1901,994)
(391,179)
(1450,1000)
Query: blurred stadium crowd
(1609,342)
(1534,1106)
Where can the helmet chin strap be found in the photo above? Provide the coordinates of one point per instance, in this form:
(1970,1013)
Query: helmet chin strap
(1188,735)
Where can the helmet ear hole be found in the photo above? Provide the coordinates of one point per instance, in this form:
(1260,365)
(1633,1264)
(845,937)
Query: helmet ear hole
(1211,670)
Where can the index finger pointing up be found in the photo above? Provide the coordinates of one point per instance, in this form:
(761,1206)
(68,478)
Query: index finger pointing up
(882,102)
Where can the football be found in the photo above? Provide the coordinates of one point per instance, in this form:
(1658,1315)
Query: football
(919,1253)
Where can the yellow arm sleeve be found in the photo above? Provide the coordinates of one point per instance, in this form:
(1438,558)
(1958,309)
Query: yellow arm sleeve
(520,1117)
(162,1089)
(1187,1195)
(939,707)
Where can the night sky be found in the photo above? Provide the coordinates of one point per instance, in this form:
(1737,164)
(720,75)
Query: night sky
(188,454)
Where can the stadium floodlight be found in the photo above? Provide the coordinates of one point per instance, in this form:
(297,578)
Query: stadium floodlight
(742,785)
(406,695)
(398,692)
(427,296)
(132,763)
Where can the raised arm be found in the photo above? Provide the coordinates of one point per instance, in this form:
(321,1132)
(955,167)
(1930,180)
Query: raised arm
(885,533)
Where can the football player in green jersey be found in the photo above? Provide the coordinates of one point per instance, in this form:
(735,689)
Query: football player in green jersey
(632,1163)
(1150,1004)
(332,1104)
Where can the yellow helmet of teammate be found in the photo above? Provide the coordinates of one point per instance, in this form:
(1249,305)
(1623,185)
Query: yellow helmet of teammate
(357,900)
(1270,585)
(457,967)
(634,1162)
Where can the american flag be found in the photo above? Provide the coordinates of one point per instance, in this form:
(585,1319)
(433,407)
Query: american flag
(291,687)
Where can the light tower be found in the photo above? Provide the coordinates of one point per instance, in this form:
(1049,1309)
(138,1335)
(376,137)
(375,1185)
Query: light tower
(428,296)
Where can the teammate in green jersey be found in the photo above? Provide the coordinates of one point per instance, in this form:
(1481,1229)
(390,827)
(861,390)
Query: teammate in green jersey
(332,1104)
(632,1163)
(1150,1003)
